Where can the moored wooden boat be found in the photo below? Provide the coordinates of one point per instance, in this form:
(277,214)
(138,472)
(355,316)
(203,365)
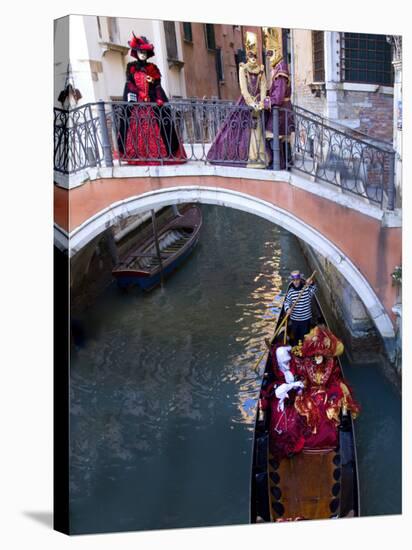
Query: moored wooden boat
(312,484)
(177,238)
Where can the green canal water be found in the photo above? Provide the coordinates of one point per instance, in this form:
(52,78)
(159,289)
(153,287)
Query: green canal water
(163,390)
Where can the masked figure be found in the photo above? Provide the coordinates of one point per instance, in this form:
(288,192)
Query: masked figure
(147,133)
(326,395)
(279,94)
(240,140)
(285,424)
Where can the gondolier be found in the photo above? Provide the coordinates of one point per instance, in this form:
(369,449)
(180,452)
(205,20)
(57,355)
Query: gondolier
(298,305)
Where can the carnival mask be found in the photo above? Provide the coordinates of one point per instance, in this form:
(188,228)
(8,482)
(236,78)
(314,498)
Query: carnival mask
(274,57)
(251,58)
(318,359)
(141,55)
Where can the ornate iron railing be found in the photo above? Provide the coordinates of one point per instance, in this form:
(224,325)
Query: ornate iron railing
(352,132)
(224,133)
(350,163)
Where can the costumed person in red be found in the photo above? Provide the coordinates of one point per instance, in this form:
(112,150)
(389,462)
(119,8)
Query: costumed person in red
(147,134)
(277,399)
(326,396)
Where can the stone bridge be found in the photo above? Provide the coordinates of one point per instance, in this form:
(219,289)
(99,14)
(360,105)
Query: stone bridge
(359,238)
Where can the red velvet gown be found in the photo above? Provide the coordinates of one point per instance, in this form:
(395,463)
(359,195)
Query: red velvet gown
(311,416)
(325,395)
(285,427)
(147,134)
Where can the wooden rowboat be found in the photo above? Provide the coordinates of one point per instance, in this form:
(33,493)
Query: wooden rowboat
(177,238)
(310,484)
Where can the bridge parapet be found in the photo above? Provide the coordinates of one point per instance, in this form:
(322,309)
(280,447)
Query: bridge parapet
(94,137)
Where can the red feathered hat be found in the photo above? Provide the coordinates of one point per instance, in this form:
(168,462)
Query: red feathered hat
(321,341)
(140,43)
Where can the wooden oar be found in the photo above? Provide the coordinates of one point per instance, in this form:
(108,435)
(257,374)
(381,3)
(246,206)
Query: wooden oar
(284,320)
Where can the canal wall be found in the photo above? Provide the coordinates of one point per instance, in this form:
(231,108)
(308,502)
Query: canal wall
(90,273)
(348,317)
(91,267)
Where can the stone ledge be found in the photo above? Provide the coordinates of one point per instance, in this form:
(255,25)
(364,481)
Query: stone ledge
(191,168)
(360,87)
(195,169)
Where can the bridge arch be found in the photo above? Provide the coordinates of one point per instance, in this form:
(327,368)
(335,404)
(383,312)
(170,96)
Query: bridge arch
(158,198)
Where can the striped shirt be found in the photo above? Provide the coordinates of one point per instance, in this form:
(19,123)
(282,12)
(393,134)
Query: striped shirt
(303,309)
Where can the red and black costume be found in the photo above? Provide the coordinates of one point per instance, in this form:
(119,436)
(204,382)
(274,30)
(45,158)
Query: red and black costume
(147,134)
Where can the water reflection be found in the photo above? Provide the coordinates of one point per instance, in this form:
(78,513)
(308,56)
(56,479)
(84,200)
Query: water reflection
(167,379)
(164,393)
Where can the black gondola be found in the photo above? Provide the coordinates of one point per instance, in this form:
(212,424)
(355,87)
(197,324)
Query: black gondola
(306,485)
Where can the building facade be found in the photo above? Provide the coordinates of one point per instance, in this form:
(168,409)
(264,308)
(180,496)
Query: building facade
(92,53)
(346,77)
(212,54)
(195,59)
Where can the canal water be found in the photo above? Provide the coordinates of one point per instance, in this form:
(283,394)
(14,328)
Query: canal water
(164,390)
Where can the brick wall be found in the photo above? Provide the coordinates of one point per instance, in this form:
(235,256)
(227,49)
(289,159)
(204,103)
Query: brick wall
(303,97)
(303,73)
(373,110)
(200,63)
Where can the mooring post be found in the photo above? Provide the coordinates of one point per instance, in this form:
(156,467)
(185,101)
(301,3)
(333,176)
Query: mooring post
(157,246)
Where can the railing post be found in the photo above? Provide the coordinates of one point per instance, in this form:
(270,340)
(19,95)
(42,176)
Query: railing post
(107,148)
(93,157)
(116,132)
(275,139)
(391,186)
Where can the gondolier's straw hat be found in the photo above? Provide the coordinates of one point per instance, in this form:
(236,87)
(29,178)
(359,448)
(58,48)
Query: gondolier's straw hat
(296,274)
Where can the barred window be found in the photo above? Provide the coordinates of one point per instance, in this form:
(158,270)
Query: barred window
(366,58)
(210,37)
(318,57)
(187,32)
(171,42)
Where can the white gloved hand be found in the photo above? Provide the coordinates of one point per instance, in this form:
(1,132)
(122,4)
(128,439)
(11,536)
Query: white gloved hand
(282,392)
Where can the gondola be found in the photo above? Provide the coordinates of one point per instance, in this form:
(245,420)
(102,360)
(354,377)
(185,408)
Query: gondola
(177,238)
(307,485)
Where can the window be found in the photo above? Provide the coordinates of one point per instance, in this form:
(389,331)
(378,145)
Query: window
(318,56)
(187,32)
(366,58)
(113,30)
(210,37)
(171,42)
(219,65)
(240,57)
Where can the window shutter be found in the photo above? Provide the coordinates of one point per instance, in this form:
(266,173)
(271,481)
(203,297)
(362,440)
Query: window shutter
(318,50)
(171,42)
